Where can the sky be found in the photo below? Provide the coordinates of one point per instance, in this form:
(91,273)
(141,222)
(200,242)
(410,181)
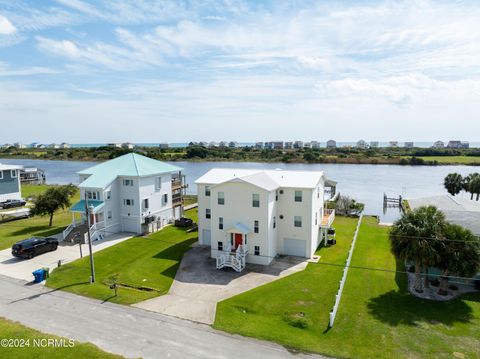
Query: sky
(176,71)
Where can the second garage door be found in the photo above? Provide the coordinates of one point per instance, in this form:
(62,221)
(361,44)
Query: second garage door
(294,247)
(206,237)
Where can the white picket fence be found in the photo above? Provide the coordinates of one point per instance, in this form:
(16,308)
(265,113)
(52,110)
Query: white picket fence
(338,296)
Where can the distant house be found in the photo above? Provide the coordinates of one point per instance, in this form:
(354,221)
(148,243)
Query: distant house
(163,146)
(307,145)
(288,145)
(408,144)
(128,145)
(54,145)
(19,145)
(259,145)
(268,145)
(33,145)
(315,144)
(64,145)
(203,143)
(454,144)
(233,144)
(298,144)
(32,175)
(251,215)
(393,144)
(212,144)
(374,144)
(465,144)
(278,145)
(362,144)
(331,144)
(115,145)
(10,187)
(438,144)
(130,193)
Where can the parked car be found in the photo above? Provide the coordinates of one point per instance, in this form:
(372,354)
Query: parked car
(12,203)
(31,247)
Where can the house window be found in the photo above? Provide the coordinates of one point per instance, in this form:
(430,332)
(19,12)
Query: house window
(274,221)
(257,250)
(316,218)
(231,239)
(93,195)
(245,236)
(145,203)
(255,200)
(165,198)
(298,196)
(221,198)
(220,246)
(220,222)
(109,215)
(207,191)
(128,182)
(13,173)
(276,195)
(208,214)
(108,195)
(297,222)
(255,226)
(318,192)
(158,183)
(128,202)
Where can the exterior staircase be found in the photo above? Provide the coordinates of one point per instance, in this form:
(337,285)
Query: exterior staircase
(76,233)
(235,260)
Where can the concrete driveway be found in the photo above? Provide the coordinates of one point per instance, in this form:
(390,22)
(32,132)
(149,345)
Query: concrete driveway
(23,268)
(199,286)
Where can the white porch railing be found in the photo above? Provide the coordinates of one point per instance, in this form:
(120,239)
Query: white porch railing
(70,228)
(236,260)
(328,217)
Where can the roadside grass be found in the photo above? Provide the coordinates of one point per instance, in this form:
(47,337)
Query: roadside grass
(11,232)
(14,330)
(294,310)
(144,267)
(377,317)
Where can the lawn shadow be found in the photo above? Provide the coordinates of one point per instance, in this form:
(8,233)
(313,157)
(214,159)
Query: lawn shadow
(175,252)
(41,231)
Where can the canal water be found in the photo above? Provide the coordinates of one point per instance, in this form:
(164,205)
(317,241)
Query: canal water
(365,183)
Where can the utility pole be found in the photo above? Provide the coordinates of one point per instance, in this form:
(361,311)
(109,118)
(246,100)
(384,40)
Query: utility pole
(88,212)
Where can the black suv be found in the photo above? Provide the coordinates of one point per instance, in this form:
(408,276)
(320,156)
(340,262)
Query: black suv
(31,247)
(11,203)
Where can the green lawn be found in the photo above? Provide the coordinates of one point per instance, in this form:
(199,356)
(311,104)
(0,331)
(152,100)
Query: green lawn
(377,318)
(149,262)
(459,160)
(13,330)
(189,199)
(293,311)
(11,232)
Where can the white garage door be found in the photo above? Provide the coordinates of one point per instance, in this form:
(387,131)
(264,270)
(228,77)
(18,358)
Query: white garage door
(130,225)
(206,236)
(294,247)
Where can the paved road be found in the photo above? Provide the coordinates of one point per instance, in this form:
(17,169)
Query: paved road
(127,331)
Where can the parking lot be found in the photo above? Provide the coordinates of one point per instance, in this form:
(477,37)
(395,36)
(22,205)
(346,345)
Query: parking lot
(23,268)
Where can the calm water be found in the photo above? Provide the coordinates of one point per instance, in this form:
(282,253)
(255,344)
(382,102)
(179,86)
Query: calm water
(366,183)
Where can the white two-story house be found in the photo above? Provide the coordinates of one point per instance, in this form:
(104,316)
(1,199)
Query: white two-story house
(251,216)
(131,193)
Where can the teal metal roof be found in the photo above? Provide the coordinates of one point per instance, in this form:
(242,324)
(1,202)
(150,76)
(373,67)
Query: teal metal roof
(129,165)
(80,206)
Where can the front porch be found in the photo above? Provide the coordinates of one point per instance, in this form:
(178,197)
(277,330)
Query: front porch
(235,252)
(94,222)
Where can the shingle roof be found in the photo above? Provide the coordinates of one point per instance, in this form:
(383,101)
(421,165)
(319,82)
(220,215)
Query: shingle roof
(129,165)
(268,179)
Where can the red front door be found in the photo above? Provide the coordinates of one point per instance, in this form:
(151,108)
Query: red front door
(238,240)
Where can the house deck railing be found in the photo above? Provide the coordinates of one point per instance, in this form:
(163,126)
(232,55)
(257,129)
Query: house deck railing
(328,217)
(235,260)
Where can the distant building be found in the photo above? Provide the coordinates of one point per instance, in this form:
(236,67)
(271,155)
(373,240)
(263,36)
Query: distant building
(465,144)
(64,145)
(268,145)
(298,144)
(163,145)
(438,144)
(203,144)
(54,145)
(288,145)
(315,144)
(233,144)
(212,144)
(458,144)
(393,144)
(278,145)
(331,144)
(19,145)
(128,145)
(223,144)
(259,145)
(374,144)
(115,145)
(307,145)
(408,145)
(362,144)
(32,175)
(33,145)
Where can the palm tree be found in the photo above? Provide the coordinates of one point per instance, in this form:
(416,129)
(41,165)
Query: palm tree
(474,187)
(466,182)
(460,255)
(414,237)
(453,183)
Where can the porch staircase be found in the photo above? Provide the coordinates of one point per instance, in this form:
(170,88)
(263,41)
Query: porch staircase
(76,233)
(235,260)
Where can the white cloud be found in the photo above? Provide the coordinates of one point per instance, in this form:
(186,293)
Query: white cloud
(6,70)
(6,27)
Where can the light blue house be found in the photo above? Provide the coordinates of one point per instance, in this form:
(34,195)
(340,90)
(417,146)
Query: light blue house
(131,193)
(10,187)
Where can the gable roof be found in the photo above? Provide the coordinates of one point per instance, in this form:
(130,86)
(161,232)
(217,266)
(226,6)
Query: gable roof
(6,167)
(267,179)
(129,165)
